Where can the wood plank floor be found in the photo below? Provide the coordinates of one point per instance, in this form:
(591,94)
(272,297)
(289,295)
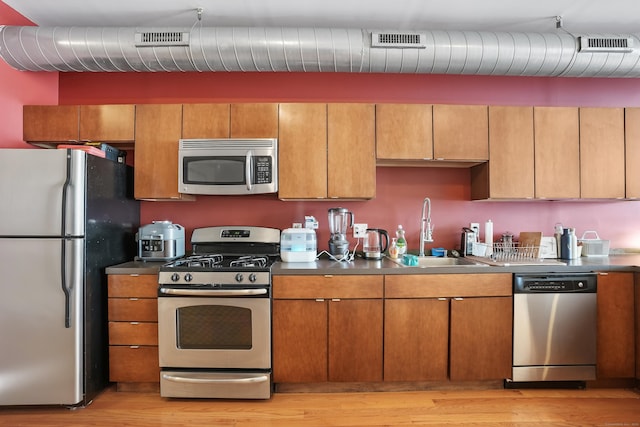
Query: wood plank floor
(594,407)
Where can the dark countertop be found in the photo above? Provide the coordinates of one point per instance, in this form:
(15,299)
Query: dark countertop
(630,262)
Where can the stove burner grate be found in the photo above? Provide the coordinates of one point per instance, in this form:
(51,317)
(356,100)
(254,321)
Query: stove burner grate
(207,261)
(249,261)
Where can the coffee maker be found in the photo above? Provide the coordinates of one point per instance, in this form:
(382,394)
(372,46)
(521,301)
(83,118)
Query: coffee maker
(339,220)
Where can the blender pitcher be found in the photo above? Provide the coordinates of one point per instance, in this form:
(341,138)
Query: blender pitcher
(339,219)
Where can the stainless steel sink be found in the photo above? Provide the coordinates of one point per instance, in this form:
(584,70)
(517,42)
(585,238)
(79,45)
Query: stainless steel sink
(434,261)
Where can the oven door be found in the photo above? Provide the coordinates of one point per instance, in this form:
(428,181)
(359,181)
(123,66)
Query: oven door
(214,332)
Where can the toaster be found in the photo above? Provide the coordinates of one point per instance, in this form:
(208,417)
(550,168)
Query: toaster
(160,241)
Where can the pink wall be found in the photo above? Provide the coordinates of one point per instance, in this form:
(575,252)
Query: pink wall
(400,191)
(19,88)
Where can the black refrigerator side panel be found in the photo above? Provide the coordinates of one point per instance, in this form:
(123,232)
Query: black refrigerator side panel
(112,219)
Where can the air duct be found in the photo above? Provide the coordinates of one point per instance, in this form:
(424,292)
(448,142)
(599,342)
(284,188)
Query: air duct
(241,49)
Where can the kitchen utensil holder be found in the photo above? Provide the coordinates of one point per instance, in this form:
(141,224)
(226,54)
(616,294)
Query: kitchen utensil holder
(514,252)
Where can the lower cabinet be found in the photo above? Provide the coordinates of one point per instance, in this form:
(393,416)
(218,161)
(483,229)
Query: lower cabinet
(327,328)
(616,357)
(440,326)
(133,328)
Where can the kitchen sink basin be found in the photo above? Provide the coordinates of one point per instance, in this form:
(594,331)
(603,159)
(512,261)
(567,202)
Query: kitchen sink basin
(434,261)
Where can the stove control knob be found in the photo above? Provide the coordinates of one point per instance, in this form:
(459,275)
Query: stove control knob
(252,277)
(188,277)
(175,277)
(239,277)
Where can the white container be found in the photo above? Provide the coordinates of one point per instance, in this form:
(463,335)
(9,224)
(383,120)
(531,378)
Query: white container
(593,246)
(298,245)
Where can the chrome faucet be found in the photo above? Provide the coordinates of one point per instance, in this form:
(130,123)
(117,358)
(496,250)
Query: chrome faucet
(426,229)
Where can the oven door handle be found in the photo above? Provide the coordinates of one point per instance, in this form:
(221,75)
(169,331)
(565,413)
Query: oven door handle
(214,292)
(178,379)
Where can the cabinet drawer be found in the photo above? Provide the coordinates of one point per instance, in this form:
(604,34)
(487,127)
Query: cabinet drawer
(133,309)
(328,286)
(133,285)
(447,285)
(134,364)
(133,333)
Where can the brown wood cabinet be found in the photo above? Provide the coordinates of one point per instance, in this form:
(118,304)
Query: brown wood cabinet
(302,151)
(637,308)
(616,341)
(206,121)
(557,152)
(509,174)
(133,328)
(50,123)
(455,323)
(460,132)
(602,157)
(327,328)
(108,123)
(327,151)
(254,120)
(158,130)
(404,132)
(632,152)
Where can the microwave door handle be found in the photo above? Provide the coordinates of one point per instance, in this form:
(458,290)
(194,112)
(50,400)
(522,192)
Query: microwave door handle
(248,172)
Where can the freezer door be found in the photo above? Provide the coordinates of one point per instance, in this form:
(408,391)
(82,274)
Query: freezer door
(32,188)
(41,360)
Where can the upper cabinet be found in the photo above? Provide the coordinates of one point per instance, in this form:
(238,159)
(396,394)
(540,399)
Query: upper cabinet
(201,121)
(460,132)
(404,132)
(632,153)
(50,123)
(557,158)
(158,130)
(327,151)
(602,156)
(254,121)
(85,123)
(509,174)
(408,133)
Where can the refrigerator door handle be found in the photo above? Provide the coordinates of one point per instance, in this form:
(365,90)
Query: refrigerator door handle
(63,254)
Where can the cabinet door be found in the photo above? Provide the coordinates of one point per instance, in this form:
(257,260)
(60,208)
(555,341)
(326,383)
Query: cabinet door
(302,148)
(351,158)
(355,340)
(254,120)
(111,123)
(481,339)
(460,132)
(50,123)
(511,152)
(404,132)
(134,364)
(602,163)
(299,341)
(158,130)
(557,152)
(637,310)
(615,342)
(416,339)
(632,152)
(205,121)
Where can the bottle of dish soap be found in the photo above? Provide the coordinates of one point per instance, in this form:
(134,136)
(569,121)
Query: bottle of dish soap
(393,248)
(401,242)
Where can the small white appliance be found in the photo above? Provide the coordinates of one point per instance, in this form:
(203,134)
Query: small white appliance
(298,245)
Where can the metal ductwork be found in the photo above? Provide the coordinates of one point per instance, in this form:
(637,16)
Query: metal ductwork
(241,49)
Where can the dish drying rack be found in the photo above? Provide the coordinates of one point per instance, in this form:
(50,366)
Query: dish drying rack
(507,252)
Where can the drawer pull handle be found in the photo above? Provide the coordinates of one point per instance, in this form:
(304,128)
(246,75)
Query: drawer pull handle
(320,299)
(133,299)
(134,347)
(179,379)
(135,323)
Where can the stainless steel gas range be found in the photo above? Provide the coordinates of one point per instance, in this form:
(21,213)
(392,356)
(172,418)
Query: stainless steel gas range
(214,315)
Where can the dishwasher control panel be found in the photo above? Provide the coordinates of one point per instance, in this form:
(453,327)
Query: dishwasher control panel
(554,283)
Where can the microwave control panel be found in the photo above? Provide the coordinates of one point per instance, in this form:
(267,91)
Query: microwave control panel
(262,170)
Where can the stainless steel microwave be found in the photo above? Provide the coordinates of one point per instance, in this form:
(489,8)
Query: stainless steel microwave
(228,166)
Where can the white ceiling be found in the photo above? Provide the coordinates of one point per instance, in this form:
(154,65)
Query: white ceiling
(579,16)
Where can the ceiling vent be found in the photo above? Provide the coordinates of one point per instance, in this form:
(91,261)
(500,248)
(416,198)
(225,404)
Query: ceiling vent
(606,44)
(398,40)
(162,38)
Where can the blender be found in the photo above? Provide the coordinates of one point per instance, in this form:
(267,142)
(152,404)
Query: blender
(338,223)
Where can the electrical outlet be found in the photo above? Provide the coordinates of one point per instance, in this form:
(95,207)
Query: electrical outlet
(359,230)
(475,227)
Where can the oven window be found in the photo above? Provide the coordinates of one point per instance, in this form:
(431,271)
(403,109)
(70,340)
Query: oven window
(214,327)
(219,170)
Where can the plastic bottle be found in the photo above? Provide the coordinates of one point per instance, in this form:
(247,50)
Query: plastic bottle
(393,248)
(488,237)
(401,242)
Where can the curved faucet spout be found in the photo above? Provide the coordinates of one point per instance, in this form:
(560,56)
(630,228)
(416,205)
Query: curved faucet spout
(426,228)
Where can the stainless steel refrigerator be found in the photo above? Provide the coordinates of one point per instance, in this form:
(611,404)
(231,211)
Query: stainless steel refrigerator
(64,217)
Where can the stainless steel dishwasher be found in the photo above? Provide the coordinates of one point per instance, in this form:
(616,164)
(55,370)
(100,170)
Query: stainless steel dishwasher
(554,327)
